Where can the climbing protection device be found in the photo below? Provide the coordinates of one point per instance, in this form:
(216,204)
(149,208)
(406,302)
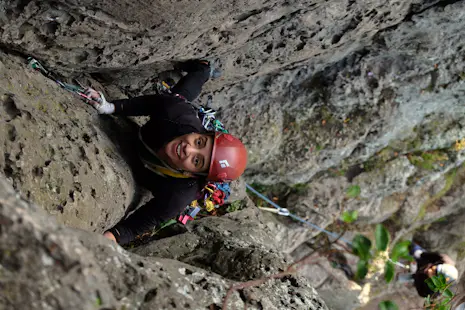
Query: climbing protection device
(282,211)
(77,90)
(285,212)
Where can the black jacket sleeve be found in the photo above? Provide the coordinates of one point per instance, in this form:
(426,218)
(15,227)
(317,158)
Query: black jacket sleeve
(153,105)
(170,200)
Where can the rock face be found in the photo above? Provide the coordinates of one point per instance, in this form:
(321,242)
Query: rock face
(56,154)
(240,252)
(45,265)
(327,96)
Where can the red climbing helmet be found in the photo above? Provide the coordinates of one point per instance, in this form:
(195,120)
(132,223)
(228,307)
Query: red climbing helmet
(229,158)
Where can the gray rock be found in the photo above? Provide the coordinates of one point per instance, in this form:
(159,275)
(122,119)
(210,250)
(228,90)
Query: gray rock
(309,87)
(237,190)
(56,153)
(239,252)
(45,265)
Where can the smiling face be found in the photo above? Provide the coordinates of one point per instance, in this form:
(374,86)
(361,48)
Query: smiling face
(191,152)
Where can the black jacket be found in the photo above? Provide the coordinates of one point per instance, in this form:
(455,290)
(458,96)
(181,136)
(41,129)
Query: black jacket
(170,117)
(426,260)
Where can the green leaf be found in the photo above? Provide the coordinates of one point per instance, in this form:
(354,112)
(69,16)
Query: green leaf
(389,272)
(430,284)
(381,237)
(446,300)
(163,226)
(362,269)
(448,293)
(436,282)
(361,247)
(442,281)
(167,223)
(401,250)
(387,305)
(349,216)
(353,191)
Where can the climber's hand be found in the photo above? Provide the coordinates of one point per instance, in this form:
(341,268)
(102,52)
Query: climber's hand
(110,236)
(99,102)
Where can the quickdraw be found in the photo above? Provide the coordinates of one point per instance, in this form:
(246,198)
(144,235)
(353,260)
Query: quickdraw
(77,90)
(188,215)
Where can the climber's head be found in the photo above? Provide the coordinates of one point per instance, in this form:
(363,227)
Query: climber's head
(228,159)
(191,152)
(219,156)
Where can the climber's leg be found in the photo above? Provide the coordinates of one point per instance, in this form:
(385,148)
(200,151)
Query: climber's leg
(190,86)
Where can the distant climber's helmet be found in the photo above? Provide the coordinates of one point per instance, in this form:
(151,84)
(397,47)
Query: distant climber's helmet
(449,272)
(229,158)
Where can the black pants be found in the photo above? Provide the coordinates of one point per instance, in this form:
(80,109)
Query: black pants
(190,86)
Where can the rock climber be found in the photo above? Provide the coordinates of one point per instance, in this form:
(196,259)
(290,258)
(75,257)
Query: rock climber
(431,264)
(179,154)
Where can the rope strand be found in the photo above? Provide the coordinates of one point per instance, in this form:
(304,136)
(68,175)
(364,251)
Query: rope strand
(282,211)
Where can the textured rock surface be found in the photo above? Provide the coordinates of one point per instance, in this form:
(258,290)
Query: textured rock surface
(55,153)
(45,265)
(237,246)
(326,95)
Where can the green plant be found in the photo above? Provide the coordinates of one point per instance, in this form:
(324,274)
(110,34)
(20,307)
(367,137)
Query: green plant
(387,305)
(236,205)
(450,179)
(98,301)
(401,251)
(300,187)
(440,287)
(381,237)
(349,216)
(362,247)
(353,191)
(428,160)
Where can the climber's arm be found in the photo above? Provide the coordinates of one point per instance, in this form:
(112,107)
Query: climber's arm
(161,106)
(164,106)
(152,214)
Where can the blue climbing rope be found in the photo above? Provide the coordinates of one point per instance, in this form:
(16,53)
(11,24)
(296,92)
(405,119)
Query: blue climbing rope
(284,211)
